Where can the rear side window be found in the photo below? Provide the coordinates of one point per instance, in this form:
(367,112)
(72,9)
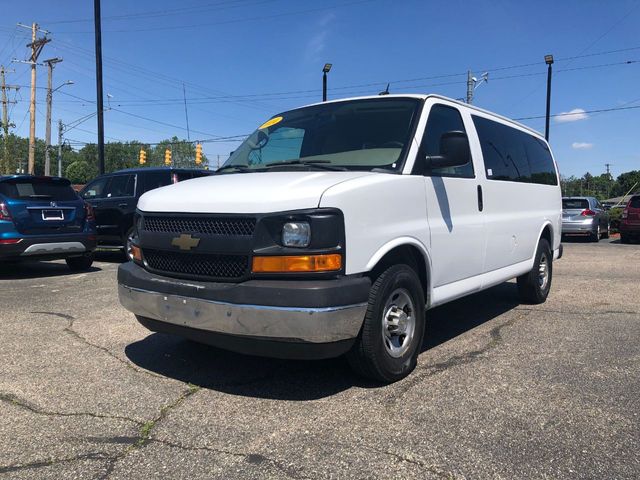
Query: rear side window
(156,179)
(635,202)
(575,203)
(96,189)
(34,189)
(512,155)
(443,119)
(121,186)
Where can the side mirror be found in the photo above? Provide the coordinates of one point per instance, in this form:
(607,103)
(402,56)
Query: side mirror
(454,151)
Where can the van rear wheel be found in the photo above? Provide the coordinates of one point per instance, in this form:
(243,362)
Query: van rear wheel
(533,287)
(80,263)
(391,336)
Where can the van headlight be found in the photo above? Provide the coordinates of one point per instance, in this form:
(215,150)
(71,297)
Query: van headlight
(296,234)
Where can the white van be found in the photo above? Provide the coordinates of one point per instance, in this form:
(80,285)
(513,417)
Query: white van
(334,227)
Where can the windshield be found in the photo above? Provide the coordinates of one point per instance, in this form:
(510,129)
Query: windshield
(574,203)
(358,135)
(38,188)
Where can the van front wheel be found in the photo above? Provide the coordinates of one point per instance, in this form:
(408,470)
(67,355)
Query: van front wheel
(534,286)
(391,336)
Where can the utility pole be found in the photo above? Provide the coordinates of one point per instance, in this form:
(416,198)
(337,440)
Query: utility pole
(47,159)
(100,110)
(186,114)
(60,131)
(36,46)
(548,59)
(470,85)
(4,165)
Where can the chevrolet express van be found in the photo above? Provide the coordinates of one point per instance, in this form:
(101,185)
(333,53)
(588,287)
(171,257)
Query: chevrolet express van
(335,227)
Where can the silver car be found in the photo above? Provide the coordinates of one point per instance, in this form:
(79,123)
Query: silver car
(584,216)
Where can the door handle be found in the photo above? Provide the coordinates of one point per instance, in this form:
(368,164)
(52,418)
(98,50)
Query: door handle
(480,199)
(123,205)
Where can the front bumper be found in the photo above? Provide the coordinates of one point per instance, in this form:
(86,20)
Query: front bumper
(275,315)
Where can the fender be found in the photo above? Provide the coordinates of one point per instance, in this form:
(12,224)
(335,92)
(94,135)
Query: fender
(546,224)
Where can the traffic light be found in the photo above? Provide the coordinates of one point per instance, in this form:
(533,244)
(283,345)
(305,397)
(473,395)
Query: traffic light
(167,157)
(198,154)
(143,157)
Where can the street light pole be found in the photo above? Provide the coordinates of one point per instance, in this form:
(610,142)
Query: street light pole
(548,59)
(47,157)
(60,130)
(99,99)
(326,69)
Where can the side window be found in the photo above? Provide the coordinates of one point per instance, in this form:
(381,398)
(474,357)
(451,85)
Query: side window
(443,119)
(96,189)
(121,186)
(540,162)
(156,179)
(503,150)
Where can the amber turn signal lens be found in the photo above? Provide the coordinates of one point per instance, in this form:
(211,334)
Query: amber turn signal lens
(136,254)
(297,263)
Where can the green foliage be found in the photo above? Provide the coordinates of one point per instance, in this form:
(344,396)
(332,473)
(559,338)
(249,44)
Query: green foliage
(80,172)
(118,155)
(615,214)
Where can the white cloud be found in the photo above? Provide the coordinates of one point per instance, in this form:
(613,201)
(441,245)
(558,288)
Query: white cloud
(318,41)
(572,116)
(582,145)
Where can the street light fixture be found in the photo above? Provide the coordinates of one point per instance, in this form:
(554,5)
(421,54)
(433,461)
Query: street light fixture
(326,69)
(548,59)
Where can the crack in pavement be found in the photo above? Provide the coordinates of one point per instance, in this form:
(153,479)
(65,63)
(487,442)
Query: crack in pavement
(146,429)
(252,458)
(15,400)
(462,359)
(433,468)
(69,330)
(54,461)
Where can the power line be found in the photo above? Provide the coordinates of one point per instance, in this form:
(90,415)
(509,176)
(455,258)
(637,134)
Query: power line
(581,112)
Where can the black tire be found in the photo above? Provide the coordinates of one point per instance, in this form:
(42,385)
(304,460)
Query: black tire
(624,238)
(81,263)
(595,235)
(530,287)
(370,355)
(608,231)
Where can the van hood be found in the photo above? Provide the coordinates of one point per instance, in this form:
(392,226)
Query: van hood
(260,192)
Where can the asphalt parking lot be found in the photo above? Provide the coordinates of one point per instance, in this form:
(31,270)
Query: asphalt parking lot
(502,390)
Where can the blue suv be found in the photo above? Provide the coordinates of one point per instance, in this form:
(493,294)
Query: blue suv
(43,218)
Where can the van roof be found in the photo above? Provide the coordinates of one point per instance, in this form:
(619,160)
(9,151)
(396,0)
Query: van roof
(433,95)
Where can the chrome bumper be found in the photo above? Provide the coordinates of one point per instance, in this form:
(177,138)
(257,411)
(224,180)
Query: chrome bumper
(314,325)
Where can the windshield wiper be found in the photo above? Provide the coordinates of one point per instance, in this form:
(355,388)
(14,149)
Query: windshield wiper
(321,164)
(239,168)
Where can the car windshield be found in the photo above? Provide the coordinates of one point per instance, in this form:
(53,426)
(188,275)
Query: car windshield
(38,188)
(357,135)
(574,203)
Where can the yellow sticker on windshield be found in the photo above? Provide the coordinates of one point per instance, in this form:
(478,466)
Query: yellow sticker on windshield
(270,123)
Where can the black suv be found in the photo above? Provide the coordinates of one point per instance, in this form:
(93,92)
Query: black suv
(114,197)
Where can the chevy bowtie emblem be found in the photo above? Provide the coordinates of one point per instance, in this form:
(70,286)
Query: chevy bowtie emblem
(185,242)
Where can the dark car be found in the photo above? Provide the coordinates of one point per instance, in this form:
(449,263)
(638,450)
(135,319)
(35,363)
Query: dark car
(43,218)
(630,221)
(114,197)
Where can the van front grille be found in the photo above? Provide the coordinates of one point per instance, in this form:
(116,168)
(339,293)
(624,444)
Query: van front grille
(203,265)
(204,226)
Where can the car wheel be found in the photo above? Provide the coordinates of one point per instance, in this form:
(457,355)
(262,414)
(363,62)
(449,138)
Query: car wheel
(81,263)
(533,287)
(608,232)
(389,342)
(624,238)
(595,235)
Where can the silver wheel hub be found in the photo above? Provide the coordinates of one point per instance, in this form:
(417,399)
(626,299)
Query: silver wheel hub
(398,323)
(543,272)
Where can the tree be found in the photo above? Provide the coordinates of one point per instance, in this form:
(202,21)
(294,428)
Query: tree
(80,172)
(626,181)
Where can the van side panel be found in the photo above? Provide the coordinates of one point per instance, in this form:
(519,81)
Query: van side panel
(515,210)
(379,209)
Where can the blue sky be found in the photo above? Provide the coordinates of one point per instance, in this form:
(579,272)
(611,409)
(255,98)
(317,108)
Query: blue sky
(243,60)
